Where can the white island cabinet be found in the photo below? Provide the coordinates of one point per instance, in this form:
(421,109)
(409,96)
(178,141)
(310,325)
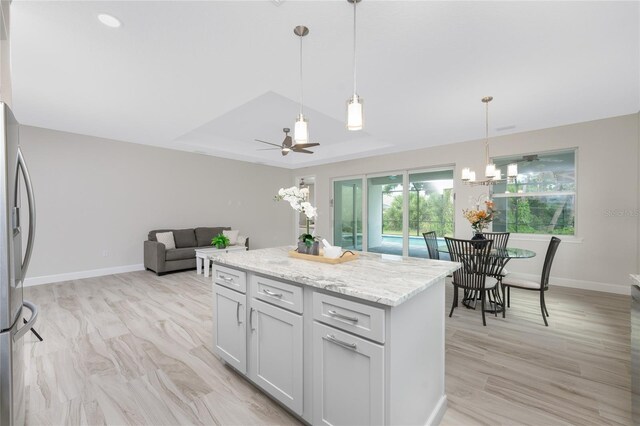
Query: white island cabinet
(356,343)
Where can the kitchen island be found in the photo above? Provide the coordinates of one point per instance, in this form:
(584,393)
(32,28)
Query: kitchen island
(360,342)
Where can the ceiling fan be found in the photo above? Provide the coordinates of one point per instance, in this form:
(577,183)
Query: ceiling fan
(288,145)
(534,157)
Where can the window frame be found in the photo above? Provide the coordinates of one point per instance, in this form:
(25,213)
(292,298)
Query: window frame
(574,193)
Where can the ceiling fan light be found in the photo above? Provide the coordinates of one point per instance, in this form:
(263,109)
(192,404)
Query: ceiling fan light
(512,170)
(301,130)
(355,113)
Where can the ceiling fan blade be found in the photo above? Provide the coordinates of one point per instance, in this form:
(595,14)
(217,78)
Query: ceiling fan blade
(305,145)
(268,143)
(304,151)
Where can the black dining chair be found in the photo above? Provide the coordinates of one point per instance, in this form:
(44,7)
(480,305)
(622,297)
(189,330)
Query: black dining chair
(473,277)
(432,244)
(541,286)
(500,239)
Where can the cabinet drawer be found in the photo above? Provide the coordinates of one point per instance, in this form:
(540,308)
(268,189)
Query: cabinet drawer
(363,320)
(231,278)
(277,293)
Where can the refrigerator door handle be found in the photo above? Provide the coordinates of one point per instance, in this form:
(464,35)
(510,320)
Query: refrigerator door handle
(29,324)
(22,165)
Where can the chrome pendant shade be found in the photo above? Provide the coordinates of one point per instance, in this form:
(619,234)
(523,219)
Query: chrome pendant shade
(355,110)
(301,128)
(492,174)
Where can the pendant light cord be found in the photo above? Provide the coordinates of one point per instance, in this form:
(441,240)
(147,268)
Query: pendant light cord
(301,86)
(486,144)
(354,46)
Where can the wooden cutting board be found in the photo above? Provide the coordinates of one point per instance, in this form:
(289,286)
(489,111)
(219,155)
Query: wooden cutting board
(346,257)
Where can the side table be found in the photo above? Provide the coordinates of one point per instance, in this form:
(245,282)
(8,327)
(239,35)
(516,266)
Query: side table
(202,257)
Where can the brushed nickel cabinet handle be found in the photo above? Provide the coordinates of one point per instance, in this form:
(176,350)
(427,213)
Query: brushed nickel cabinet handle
(238,313)
(271,293)
(251,319)
(332,338)
(228,279)
(344,317)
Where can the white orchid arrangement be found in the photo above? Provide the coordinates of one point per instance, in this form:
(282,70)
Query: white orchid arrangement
(298,198)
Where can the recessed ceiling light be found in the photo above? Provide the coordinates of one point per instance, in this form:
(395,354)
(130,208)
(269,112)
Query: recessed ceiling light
(109,20)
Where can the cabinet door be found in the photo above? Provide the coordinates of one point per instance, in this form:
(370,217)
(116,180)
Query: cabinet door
(276,353)
(348,378)
(230,331)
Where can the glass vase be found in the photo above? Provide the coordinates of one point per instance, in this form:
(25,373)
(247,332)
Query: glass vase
(302,247)
(315,248)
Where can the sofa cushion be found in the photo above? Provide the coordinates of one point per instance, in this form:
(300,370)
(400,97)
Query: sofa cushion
(167,239)
(181,253)
(232,235)
(204,235)
(152,234)
(184,238)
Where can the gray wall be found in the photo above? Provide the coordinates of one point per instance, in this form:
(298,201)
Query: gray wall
(96,195)
(605,249)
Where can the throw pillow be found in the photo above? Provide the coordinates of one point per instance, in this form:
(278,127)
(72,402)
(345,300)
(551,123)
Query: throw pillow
(242,240)
(166,238)
(231,235)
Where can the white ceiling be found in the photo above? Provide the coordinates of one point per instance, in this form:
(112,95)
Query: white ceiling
(212,76)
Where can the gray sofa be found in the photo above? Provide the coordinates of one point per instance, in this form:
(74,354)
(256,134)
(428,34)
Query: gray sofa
(160,260)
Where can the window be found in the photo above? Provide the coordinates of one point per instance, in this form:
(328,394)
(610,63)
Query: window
(542,199)
(347,214)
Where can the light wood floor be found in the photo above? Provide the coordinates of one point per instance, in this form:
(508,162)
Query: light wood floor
(136,349)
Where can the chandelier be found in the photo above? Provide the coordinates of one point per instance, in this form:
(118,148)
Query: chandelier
(492,174)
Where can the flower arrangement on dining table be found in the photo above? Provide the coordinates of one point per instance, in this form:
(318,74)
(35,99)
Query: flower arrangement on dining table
(298,198)
(480,219)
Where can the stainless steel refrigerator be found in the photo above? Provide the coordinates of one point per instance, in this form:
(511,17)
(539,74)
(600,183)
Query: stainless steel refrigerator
(13,267)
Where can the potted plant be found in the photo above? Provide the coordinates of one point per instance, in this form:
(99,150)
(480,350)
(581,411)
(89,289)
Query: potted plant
(297,198)
(480,219)
(220,241)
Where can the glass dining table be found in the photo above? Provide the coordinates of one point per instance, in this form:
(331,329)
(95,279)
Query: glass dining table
(500,257)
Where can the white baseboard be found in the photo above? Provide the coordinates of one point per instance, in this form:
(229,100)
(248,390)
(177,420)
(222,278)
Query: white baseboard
(46,279)
(438,412)
(581,284)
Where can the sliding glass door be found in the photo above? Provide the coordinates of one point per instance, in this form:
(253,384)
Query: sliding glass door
(347,214)
(397,207)
(431,208)
(385,217)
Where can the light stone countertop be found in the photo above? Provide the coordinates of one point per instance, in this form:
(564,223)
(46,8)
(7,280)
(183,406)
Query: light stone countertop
(385,279)
(635,278)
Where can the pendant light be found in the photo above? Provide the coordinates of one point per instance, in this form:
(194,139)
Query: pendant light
(355,112)
(492,173)
(301,128)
